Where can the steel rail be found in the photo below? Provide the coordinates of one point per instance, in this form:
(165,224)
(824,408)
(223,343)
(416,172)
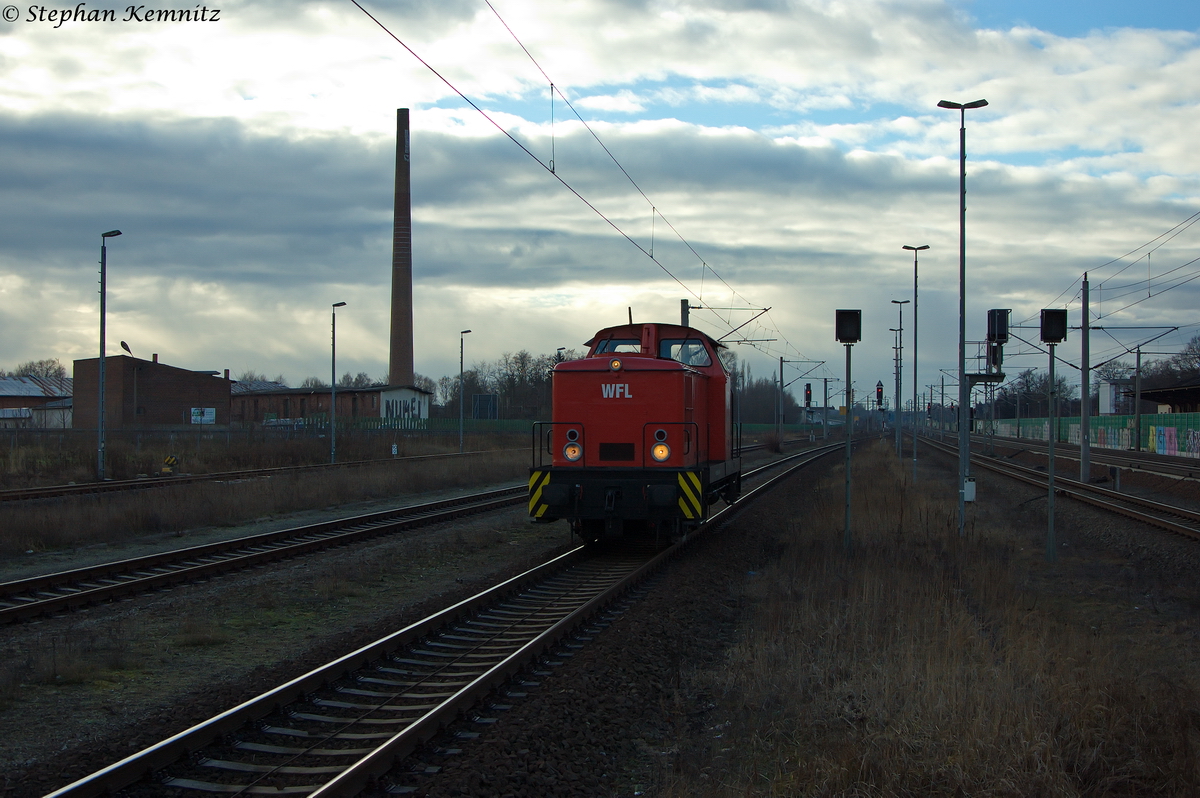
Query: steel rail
(351,778)
(117,485)
(357,777)
(49,593)
(1142,462)
(24,599)
(1094,495)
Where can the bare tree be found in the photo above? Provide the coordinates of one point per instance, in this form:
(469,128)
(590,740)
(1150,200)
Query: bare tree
(314,383)
(422,382)
(360,380)
(50,368)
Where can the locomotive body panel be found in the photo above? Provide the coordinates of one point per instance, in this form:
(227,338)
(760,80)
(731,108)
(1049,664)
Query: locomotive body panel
(642,431)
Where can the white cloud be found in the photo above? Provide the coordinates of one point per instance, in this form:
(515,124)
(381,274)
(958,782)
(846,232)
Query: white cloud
(625,102)
(250,164)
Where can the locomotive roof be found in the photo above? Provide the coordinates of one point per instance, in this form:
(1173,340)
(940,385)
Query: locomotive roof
(664,331)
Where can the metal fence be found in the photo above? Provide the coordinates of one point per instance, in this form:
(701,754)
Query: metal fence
(1162,433)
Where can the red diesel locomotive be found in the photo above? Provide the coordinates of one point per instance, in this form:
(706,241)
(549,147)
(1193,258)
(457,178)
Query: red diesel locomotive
(642,436)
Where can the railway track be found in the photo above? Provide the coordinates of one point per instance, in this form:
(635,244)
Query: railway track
(67,590)
(1144,462)
(1164,516)
(119,485)
(147,483)
(336,729)
(38,596)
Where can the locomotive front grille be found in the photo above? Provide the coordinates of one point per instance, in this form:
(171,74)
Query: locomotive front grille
(616,452)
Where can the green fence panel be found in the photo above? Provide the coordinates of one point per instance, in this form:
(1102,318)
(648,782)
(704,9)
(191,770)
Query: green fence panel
(1162,433)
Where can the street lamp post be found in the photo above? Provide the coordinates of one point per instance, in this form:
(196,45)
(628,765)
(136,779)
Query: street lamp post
(103,297)
(333,386)
(964,391)
(915,376)
(461,390)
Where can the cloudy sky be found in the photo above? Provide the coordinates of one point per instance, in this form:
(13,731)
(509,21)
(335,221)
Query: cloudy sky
(771,154)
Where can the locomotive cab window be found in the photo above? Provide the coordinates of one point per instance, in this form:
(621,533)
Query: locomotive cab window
(619,345)
(688,351)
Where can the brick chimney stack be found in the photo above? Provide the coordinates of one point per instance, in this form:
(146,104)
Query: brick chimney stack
(400,360)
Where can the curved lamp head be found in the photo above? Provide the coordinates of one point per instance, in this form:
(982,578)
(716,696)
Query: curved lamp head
(339,304)
(915,249)
(961,106)
(111,234)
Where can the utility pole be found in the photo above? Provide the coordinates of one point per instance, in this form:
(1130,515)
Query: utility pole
(1085,395)
(779,417)
(899,365)
(942,412)
(916,374)
(899,377)
(825,409)
(1018,392)
(103,359)
(1137,402)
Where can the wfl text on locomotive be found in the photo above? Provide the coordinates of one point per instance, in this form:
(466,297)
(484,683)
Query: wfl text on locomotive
(642,436)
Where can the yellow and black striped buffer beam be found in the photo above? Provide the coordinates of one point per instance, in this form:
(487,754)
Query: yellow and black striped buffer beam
(689,495)
(537,481)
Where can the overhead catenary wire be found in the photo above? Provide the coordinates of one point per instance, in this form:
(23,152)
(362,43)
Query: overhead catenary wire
(524,149)
(653,210)
(1150,246)
(555,172)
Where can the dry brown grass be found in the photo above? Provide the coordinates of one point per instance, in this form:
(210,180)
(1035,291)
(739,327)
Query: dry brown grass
(772,442)
(64,523)
(929,665)
(28,460)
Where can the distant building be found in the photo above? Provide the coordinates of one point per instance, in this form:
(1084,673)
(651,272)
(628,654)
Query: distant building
(1116,397)
(272,404)
(39,402)
(148,394)
(1183,398)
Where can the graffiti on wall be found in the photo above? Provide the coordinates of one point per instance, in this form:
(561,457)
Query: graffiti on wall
(403,408)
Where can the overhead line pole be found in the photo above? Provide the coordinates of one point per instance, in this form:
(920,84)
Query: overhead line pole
(1085,395)
(916,376)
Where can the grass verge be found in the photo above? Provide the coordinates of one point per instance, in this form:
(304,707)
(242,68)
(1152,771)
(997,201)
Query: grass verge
(925,664)
(117,517)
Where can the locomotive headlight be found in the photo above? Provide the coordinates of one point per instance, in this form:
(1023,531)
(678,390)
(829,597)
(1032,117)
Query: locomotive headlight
(615,364)
(573,451)
(660,452)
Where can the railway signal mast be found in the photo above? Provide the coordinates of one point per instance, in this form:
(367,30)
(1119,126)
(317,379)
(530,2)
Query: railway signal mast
(848,330)
(1053,332)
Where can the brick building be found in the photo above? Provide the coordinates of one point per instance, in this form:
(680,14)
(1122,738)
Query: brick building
(148,394)
(35,402)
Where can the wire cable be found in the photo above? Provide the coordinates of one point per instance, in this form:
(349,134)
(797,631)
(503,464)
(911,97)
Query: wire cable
(566,184)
